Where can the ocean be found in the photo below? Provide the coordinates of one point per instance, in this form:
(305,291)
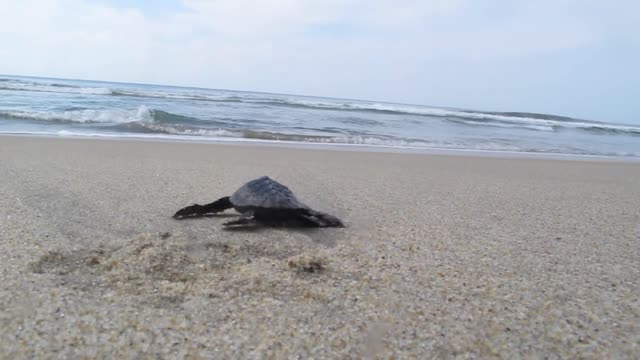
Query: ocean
(60,107)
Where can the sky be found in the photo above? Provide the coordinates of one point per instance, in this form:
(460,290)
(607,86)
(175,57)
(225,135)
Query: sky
(578,58)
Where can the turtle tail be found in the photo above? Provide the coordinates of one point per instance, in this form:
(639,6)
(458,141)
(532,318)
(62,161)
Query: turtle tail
(201,210)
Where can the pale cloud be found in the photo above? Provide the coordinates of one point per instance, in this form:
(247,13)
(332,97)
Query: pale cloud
(67,36)
(352,48)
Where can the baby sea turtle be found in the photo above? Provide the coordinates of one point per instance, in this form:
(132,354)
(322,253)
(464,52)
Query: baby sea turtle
(266,202)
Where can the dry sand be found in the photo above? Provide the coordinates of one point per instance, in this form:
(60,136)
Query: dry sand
(442,256)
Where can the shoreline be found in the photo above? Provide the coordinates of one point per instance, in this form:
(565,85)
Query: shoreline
(366,148)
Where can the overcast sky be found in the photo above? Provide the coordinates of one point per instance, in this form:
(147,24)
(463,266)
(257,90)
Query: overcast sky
(566,57)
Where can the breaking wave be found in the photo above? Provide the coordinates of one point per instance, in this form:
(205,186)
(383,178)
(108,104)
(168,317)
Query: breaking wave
(86,116)
(528,121)
(148,120)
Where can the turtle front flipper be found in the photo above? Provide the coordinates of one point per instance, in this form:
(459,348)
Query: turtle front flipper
(201,210)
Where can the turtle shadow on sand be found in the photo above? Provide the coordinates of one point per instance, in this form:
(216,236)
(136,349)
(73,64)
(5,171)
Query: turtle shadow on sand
(314,234)
(263,202)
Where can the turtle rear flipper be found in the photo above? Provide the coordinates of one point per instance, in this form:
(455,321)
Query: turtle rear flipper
(201,210)
(319,219)
(302,217)
(311,218)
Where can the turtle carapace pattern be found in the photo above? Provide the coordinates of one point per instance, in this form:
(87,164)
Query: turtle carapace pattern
(264,201)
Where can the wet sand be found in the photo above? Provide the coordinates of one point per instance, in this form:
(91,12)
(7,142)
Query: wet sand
(442,256)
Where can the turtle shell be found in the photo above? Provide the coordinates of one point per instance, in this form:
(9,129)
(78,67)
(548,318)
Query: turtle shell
(265,193)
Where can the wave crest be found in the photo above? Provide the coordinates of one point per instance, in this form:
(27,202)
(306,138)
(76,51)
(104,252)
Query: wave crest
(8,84)
(413,113)
(86,116)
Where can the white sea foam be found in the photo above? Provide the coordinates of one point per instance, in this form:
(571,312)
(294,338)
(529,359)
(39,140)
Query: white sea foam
(43,87)
(164,95)
(508,125)
(189,131)
(224,136)
(142,113)
(373,143)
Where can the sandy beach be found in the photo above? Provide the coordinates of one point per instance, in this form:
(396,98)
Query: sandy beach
(442,256)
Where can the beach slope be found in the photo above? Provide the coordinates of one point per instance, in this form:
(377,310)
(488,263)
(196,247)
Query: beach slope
(442,256)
